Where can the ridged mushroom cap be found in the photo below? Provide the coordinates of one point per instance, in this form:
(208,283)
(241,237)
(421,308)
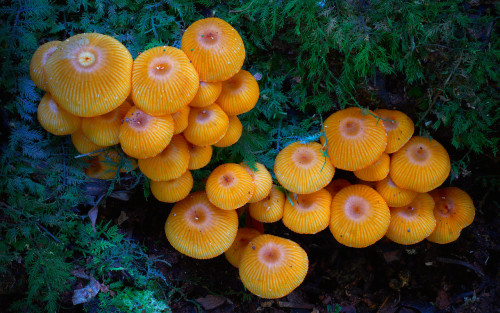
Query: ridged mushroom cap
(82,144)
(174,190)
(233,133)
(336,185)
(355,139)
(89,74)
(163,81)
(399,128)
(143,136)
(181,120)
(421,165)
(206,95)
(414,222)
(377,171)
(272,267)
(229,186)
(239,94)
(302,168)
(270,209)
(198,229)
(55,119)
(393,195)
(37,64)
(106,165)
(215,47)
(243,237)
(207,125)
(169,164)
(309,213)
(199,156)
(262,180)
(104,130)
(359,217)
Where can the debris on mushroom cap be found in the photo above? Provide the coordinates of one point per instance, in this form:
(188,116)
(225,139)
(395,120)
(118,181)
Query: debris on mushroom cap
(197,228)
(399,128)
(199,156)
(336,185)
(356,138)
(303,168)
(89,74)
(55,119)
(229,186)
(37,64)
(359,216)
(207,94)
(233,133)
(82,144)
(309,214)
(181,120)
(174,190)
(377,171)
(215,47)
(243,237)
(414,222)
(163,81)
(421,165)
(262,180)
(207,125)
(239,94)
(393,195)
(269,209)
(271,267)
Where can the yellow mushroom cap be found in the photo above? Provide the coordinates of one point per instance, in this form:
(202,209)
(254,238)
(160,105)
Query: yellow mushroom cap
(89,74)
(181,120)
(170,164)
(207,125)
(104,130)
(421,165)
(199,156)
(206,95)
(239,94)
(198,229)
(143,136)
(355,139)
(271,267)
(82,144)
(243,237)
(233,133)
(262,180)
(359,216)
(174,190)
(215,47)
(414,222)
(302,168)
(270,209)
(399,128)
(454,210)
(104,166)
(55,119)
(377,171)
(229,186)
(336,185)
(163,81)
(37,64)
(309,213)
(393,195)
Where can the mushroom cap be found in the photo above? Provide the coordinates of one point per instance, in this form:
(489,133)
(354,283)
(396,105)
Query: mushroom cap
(303,168)
(239,94)
(454,210)
(181,120)
(104,130)
(414,222)
(38,60)
(89,74)
(174,190)
(271,267)
(421,165)
(399,128)
(207,125)
(198,229)
(55,119)
(106,165)
(377,171)
(169,164)
(243,237)
(82,144)
(336,185)
(393,195)
(229,186)
(143,136)
(359,216)
(355,139)
(163,81)
(309,213)
(199,156)
(270,209)
(206,95)
(262,180)
(233,133)
(215,47)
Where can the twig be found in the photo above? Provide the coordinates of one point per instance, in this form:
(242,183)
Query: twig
(458,262)
(48,232)
(242,10)
(90,153)
(383,303)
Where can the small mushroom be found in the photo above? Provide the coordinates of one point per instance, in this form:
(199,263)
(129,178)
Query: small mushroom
(377,171)
(262,180)
(181,120)
(104,130)
(199,156)
(55,119)
(207,125)
(393,195)
(174,190)
(233,133)
(270,209)
(37,64)
(82,144)
(336,185)
(206,95)
(399,128)
(239,94)
(229,186)
(243,237)
(309,214)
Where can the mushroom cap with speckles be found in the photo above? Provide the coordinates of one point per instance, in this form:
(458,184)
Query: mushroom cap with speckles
(233,133)
(376,171)
(269,209)
(206,95)
(104,130)
(181,119)
(207,125)
(37,64)
(393,195)
(229,186)
(55,119)
(174,190)
(82,144)
(399,128)
(239,94)
(243,237)
(199,156)
(309,213)
(262,180)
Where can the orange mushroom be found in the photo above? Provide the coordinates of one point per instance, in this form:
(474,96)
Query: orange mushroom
(229,186)
(181,120)
(104,130)
(174,190)
(37,64)
(243,237)
(336,185)
(239,94)
(82,144)
(199,156)
(377,171)
(233,133)
(308,214)
(55,119)
(206,95)
(399,128)
(262,180)
(207,125)
(393,195)
(270,209)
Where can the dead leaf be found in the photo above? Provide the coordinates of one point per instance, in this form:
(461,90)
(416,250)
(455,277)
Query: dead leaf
(86,293)
(93,216)
(211,301)
(122,218)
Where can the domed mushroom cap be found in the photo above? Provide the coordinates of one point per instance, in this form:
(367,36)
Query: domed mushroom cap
(336,185)
(104,130)
(198,229)
(206,95)
(174,190)
(377,171)
(421,165)
(40,57)
(309,213)
(229,186)
(55,119)
(181,120)
(393,195)
(243,237)
(233,133)
(262,180)
(355,139)
(303,168)
(199,156)
(454,210)
(82,144)
(239,94)
(207,125)
(414,222)
(163,81)
(399,128)
(215,47)
(271,267)
(270,209)
(359,217)
(89,74)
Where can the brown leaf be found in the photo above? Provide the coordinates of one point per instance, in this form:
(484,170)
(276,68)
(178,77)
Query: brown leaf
(122,218)
(93,216)
(211,302)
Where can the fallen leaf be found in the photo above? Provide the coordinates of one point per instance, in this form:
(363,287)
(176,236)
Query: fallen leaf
(86,293)
(211,302)
(93,216)
(122,218)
